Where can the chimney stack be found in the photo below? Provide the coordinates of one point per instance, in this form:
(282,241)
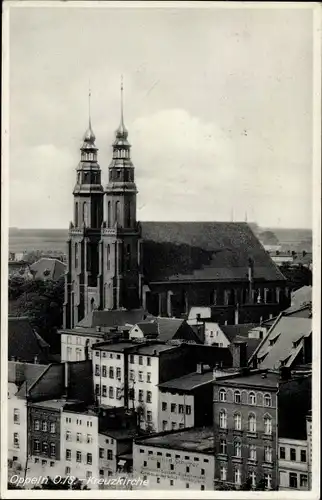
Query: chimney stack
(239,353)
(285,373)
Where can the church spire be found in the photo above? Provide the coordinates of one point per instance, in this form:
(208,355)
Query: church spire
(121,132)
(89,137)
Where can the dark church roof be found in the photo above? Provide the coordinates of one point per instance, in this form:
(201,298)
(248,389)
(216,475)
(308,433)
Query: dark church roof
(214,251)
(113,318)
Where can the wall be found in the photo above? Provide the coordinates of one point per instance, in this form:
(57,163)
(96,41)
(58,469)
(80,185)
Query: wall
(174,419)
(109,360)
(20,427)
(80,381)
(50,385)
(86,425)
(158,472)
(107,466)
(259,439)
(214,335)
(287,466)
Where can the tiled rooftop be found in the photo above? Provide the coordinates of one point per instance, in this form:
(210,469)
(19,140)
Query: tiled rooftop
(195,440)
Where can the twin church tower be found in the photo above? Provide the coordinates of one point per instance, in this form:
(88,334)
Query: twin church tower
(104,246)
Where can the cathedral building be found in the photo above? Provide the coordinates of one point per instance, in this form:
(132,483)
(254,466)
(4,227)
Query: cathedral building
(115,262)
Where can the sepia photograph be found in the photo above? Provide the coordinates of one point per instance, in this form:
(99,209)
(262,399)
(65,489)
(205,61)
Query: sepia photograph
(160,226)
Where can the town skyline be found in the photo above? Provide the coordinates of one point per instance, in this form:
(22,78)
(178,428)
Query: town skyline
(205,125)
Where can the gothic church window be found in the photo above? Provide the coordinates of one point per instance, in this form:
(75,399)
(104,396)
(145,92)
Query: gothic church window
(109,214)
(85,213)
(117,212)
(76,214)
(76,255)
(108,255)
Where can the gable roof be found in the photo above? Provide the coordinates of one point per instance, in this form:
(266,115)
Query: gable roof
(208,251)
(148,328)
(283,341)
(24,343)
(112,318)
(48,268)
(167,328)
(231,331)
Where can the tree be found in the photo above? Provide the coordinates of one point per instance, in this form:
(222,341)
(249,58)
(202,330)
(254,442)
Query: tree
(42,302)
(268,238)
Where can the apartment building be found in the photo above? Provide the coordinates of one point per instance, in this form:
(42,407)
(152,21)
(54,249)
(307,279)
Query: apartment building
(115,451)
(176,460)
(293,464)
(186,401)
(79,442)
(76,345)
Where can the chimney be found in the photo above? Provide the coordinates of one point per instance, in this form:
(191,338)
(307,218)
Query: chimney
(66,378)
(199,368)
(35,359)
(237,315)
(239,353)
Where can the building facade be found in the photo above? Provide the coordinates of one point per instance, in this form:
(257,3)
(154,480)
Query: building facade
(176,460)
(245,418)
(293,464)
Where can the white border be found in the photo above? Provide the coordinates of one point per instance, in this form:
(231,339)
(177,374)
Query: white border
(316,11)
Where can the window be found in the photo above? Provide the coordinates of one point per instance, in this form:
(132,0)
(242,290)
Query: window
(36,446)
(69,339)
(148,378)
(140,396)
(67,471)
(16,440)
(202,472)
(111,372)
(268,425)
(303,480)
(140,376)
(52,428)
(104,371)
(145,463)
(252,477)
(282,452)
(109,454)
(140,360)
(118,373)
(222,395)
(237,476)
(158,465)
(131,359)
(104,391)
(223,472)
(164,406)
(171,467)
(68,454)
(237,448)
(174,425)
(303,455)
(97,389)
(111,392)
(118,393)
(293,454)
(148,361)
(89,438)
(293,480)
(45,448)
(173,407)
(164,425)
(52,449)
(44,426)
(252,452)
(237,397)
(223,446)
(181,408)
(149,397)
(181,426)
(131,374)
(267,453)
(118,356)
(202,487)
(237,421)
(188,409)
(78,456)
(44,462)
(223,419)
(78,354)
(97,353)
(101,452)
(37,425)
(88,474)
(69,353)
(187,470)
(16,416)
(149,416)
(267,400)
(252,398)
(158,480)
(187,485)
(268,481)
(252,422)
(206,460)
(78,437)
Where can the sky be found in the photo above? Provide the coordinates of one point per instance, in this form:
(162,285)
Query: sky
(218,104)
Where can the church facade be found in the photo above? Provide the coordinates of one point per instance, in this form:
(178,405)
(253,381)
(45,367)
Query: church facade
(115,262)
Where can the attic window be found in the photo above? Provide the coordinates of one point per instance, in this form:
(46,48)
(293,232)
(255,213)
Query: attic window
(274,340)
(46,272)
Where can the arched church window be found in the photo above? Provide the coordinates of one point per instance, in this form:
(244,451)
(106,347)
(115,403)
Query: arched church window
(128,214)
(85,213)
(92,304)
(117,212)
(108,257)
(76,255)
(128,257)
(76,214)
(108,214)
